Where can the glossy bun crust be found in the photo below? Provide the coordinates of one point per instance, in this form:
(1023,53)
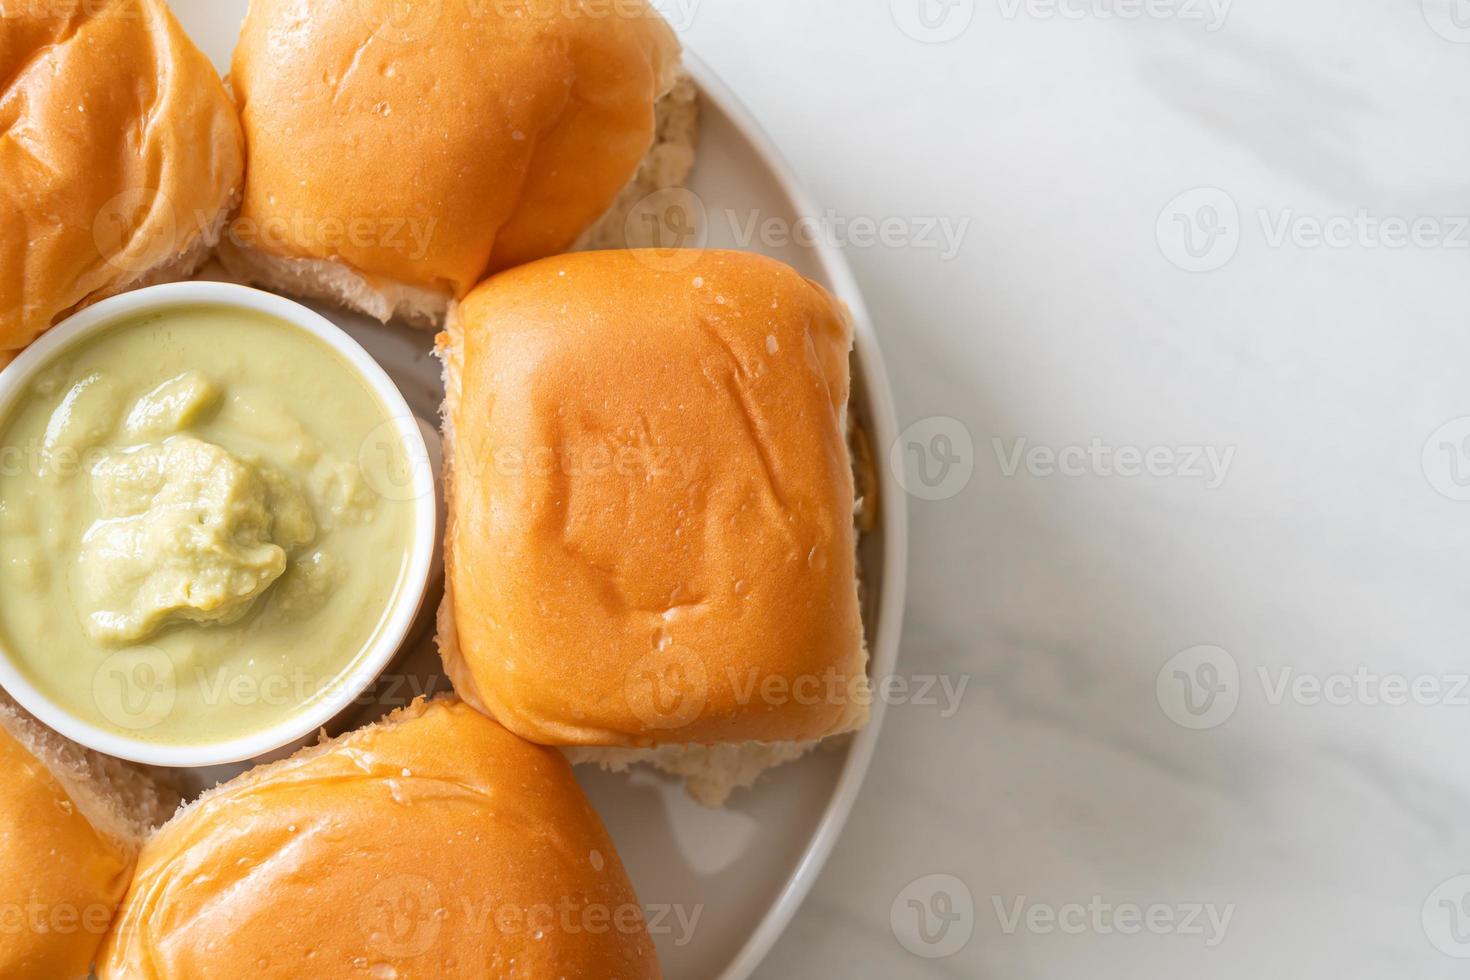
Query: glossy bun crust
(430,144)
(63,877)
(651,533)
(432,846)
(120,156)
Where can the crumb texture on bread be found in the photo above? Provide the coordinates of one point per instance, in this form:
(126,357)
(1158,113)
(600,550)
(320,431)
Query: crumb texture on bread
(71,825)
(120,156)
(335,282)
(651,538)
(498,134)
(711,773)
(431,844)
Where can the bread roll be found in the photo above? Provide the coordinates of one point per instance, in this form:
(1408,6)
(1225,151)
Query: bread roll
(71,824)
(432,845)
(120,157)
(651,533)
(399,154)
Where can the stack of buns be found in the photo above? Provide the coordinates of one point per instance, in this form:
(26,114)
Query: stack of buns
(650,551)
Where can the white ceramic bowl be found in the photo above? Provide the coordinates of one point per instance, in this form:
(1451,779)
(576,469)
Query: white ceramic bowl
(15,381)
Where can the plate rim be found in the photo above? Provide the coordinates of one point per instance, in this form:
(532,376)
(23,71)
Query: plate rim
(883,650)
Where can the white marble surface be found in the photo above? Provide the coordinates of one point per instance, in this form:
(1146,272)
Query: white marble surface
(1324,827)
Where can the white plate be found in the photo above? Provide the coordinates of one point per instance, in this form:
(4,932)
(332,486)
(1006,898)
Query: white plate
(744,870)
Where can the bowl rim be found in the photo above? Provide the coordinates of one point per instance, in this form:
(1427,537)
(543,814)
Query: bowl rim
(407,603)
(893,504)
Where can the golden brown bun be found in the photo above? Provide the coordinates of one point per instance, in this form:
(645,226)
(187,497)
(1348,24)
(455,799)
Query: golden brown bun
(120,156)
(651,536)
(71,823)
(432,846)
(422,148)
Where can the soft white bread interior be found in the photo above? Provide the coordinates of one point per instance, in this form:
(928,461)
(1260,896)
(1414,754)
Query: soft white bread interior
(692,358)
(71,826)
(120,157)
(395,162)
(431,844)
